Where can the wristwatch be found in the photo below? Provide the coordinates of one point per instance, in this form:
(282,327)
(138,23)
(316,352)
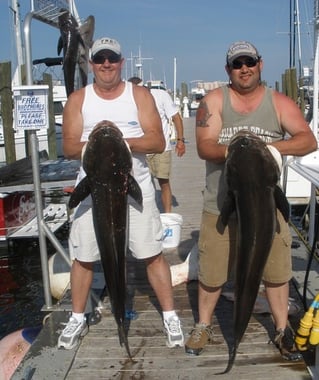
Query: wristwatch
(182,139)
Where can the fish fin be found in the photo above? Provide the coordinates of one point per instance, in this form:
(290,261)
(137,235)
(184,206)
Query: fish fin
(229,206)
(134,190)
(282,203)
(60,45)
(81,191)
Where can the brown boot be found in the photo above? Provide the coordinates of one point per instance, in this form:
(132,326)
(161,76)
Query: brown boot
(200,336)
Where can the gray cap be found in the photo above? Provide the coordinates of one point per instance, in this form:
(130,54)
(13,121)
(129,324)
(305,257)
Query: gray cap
(239,49)
(105,43)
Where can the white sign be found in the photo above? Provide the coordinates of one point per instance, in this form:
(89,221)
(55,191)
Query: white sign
(31,107)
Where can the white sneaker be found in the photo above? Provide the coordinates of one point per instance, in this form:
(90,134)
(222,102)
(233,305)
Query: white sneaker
(174,332)
(70,335)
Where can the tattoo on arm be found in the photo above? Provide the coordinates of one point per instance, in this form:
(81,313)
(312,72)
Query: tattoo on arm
(202,115)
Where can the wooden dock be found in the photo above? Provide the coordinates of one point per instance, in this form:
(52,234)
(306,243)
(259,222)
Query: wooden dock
(100,356)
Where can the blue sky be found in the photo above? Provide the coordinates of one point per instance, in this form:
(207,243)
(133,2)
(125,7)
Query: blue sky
(196,33)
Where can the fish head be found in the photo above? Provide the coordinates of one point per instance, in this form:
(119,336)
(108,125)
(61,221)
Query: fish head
(250,160)
(107,154)
(66,21)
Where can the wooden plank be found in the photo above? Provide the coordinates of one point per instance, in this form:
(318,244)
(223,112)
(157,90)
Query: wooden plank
(6,111)
(188,374)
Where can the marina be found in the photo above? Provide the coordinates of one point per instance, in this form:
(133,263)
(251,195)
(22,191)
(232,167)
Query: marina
(100,356)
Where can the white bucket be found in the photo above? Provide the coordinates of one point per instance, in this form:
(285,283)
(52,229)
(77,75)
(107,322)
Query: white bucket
(172,224)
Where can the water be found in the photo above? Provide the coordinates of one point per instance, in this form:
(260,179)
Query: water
(21,289)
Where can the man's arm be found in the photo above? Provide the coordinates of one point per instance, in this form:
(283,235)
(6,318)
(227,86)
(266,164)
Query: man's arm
(72,126)
(180,145)
(301,139)
(208,127)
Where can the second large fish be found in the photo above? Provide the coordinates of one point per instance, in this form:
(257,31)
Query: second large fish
(252,175)
(107,162)
(75,42)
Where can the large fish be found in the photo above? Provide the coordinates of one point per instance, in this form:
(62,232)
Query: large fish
(252,175)
(107,162)
(75,41)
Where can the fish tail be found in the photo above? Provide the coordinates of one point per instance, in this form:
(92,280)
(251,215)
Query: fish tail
(231,360)
(124,340)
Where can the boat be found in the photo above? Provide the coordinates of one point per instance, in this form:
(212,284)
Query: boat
(157,84)
(16,209)
(17,199)
(196,94)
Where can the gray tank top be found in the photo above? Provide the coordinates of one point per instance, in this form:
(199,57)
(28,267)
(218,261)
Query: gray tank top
(263,122)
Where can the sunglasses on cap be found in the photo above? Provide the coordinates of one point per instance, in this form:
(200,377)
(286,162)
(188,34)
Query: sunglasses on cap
(111,57)
(239,63)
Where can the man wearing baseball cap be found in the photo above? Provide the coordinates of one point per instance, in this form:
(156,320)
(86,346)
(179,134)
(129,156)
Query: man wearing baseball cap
(105,45)
(244,104)
(133,110)
(241,49)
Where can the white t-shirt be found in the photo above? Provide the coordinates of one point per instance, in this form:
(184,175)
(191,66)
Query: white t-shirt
(166,109)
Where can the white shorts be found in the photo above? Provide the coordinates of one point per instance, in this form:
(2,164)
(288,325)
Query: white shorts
(145,233)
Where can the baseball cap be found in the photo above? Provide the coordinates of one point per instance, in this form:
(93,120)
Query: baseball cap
(105,43)
(241,48)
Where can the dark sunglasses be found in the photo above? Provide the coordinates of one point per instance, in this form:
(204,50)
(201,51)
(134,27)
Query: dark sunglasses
(100,58)
(239,63)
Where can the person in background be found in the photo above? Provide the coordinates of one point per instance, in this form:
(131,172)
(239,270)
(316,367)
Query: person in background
(244,104)
(160,164)
(133,110)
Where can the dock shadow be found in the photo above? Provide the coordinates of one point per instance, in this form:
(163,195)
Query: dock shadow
(158,201)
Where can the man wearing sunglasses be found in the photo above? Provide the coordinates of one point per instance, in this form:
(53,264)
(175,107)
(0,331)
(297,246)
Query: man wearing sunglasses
(134,111)
(244,104)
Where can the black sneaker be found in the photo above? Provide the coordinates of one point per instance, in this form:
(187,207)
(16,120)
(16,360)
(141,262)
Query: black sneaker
(285,342)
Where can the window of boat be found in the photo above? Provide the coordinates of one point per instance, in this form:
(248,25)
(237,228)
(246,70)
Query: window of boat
(58,108)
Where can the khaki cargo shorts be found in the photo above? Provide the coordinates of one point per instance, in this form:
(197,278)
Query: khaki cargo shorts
(160,164)
(217,250)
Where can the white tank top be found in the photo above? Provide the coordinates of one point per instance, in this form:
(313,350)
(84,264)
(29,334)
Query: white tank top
(122,111)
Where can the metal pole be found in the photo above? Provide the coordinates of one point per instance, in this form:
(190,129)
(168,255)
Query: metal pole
(19,47)
(298,38)
(174,80)
(313,200)
(36,171)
